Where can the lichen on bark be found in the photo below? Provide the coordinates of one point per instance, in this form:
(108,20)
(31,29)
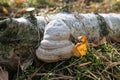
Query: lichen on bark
(19,38)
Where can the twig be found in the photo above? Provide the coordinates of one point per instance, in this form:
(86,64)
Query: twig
(55,67)
(102,76)
(59,76)
(112,74)
(110,65)
(31,76)
(84,64)
(70,71)
(75,62)
(63,77)
(92,75)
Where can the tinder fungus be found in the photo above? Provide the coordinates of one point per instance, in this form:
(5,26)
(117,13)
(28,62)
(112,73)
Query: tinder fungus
(55,45)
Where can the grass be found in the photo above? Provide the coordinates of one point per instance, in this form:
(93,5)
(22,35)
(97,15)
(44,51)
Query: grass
(102,63)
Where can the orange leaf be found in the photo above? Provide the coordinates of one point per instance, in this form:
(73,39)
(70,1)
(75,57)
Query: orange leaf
(5,10)
(80,49)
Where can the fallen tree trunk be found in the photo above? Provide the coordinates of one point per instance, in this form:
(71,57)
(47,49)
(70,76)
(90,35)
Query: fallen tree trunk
(56,32)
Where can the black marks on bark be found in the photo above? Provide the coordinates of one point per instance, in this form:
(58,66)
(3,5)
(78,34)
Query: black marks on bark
(104,27)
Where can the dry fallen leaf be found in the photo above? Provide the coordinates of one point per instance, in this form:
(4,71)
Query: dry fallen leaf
(3,74)
(19,1)
(5,10)
(80,49)
(99,42)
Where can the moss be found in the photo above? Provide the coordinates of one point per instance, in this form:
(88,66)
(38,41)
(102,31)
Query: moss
(21,39)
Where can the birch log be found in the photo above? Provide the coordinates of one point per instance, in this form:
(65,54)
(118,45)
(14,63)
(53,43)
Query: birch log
(58,29)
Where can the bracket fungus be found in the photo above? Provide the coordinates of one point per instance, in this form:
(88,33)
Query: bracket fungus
(55,45)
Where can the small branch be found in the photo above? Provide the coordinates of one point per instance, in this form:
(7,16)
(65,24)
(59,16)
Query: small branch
(84,64)
(110,65)
(92,75)
(63,77)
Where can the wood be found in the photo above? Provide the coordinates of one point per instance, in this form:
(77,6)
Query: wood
(51,29)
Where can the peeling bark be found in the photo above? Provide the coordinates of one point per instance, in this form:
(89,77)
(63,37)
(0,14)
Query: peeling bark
(56,32)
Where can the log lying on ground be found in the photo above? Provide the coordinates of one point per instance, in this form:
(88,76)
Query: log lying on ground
(56,44)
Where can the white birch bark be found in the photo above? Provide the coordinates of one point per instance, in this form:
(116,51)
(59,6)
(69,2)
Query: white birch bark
(58,28)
